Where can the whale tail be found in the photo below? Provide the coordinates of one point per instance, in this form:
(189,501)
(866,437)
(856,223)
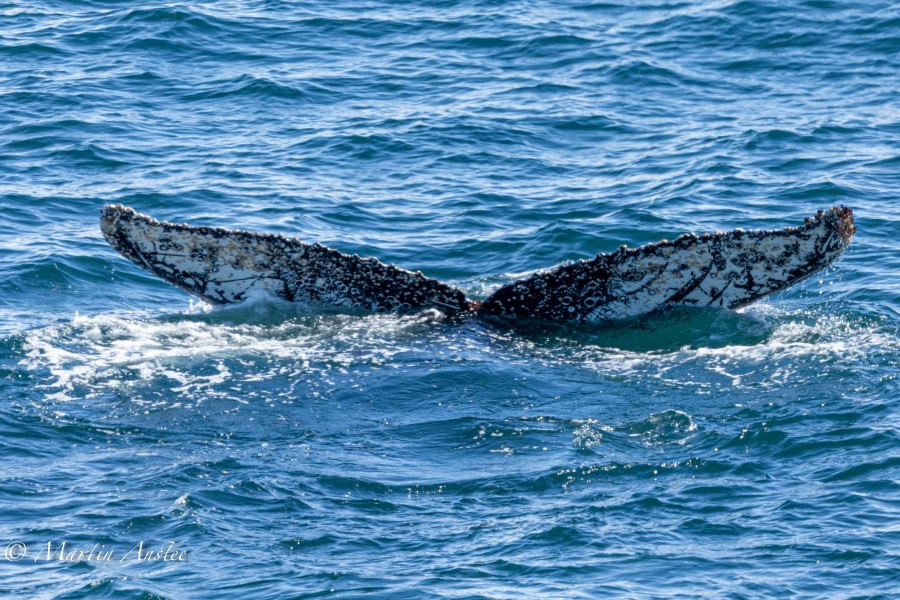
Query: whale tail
(224,266)
(729,269)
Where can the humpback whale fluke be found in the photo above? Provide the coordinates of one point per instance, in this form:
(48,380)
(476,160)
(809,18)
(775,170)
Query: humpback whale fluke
(730,269)
(226,265)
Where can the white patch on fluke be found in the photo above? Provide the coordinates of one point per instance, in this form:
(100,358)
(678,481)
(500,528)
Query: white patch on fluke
(225,266)
(727,270)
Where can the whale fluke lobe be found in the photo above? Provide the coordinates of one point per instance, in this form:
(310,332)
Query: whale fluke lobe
(224,266)
(729,269)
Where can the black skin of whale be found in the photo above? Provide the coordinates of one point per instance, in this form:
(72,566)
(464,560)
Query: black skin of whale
(730,269)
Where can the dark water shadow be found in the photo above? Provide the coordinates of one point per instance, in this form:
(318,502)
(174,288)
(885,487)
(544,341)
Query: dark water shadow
(661,331)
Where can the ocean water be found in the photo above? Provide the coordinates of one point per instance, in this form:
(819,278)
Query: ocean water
(261,451)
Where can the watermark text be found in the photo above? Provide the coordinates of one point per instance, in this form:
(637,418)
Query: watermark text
(64,552)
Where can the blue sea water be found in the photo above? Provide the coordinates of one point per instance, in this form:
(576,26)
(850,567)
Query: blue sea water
(293,454)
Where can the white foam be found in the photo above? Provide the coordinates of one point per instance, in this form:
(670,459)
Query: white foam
(193,355)
(799,345)
(232,352)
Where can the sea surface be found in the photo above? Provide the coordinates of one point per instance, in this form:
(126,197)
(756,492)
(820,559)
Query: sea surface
(266,451)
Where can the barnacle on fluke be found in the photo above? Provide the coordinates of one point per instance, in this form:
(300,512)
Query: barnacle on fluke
(730,269)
